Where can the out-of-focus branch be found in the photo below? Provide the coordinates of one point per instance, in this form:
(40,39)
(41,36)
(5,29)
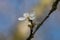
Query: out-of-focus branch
(54,7)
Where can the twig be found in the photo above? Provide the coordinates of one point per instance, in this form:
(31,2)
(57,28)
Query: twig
(54,7)
(31,30)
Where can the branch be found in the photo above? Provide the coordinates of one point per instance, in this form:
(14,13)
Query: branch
(54,7)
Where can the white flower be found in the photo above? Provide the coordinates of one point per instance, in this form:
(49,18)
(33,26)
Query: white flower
(31,16)
(26,15)
(21,18)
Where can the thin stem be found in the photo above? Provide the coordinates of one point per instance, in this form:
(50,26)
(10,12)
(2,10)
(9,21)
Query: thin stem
(31,30)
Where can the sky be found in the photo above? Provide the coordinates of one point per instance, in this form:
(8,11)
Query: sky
(10,10)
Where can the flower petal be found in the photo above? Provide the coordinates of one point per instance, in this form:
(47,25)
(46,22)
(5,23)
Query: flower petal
(26,15)
(32,14)
(21,18)
(32,18)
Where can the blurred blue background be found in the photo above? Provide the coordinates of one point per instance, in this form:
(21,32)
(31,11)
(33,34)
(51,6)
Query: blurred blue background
(10,10)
